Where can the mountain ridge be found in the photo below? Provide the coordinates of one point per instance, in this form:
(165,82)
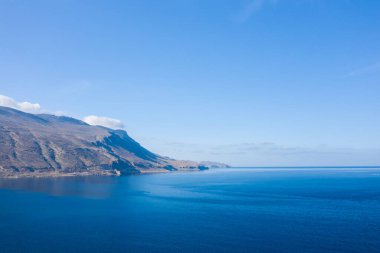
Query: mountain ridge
(48,145)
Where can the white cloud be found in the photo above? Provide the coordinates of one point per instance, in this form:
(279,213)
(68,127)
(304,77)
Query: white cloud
(36,108)
(103,121)
(22,106)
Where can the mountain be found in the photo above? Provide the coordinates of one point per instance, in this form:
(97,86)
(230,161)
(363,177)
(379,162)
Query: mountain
(209,164)
(48,145)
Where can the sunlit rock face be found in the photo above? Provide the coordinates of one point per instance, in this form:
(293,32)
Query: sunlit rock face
(48,145)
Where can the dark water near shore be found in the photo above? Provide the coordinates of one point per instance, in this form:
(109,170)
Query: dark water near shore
(225,210)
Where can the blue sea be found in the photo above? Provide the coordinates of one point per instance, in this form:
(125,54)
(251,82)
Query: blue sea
(263,210)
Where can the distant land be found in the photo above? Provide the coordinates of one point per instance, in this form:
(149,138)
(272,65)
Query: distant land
(215,164)
(44,145)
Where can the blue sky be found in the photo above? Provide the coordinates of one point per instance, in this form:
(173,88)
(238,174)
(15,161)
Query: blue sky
(246,82)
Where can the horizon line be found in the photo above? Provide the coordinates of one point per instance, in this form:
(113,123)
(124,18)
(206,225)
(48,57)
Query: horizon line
(306,167)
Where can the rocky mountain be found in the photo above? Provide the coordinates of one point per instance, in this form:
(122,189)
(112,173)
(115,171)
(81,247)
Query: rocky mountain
(48,145)
(209,164)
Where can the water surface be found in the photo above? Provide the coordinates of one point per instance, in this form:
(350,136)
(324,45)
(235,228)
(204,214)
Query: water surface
(222,210)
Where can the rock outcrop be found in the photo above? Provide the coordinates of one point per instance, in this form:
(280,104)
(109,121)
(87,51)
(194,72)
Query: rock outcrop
(48,145)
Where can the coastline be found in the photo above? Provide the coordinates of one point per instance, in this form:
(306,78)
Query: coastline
(114,173)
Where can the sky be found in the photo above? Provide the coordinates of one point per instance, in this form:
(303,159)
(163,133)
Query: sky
(244,82)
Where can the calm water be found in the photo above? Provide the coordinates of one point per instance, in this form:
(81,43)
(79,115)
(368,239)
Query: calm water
(226,210)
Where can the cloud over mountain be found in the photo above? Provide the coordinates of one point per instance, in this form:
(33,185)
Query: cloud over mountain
(103,121)
(36,108)
(22,106)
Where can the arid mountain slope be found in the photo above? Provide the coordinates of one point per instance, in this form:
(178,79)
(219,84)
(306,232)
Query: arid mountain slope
(48,145)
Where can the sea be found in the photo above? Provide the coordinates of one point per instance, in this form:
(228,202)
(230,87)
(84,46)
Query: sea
(277,210)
